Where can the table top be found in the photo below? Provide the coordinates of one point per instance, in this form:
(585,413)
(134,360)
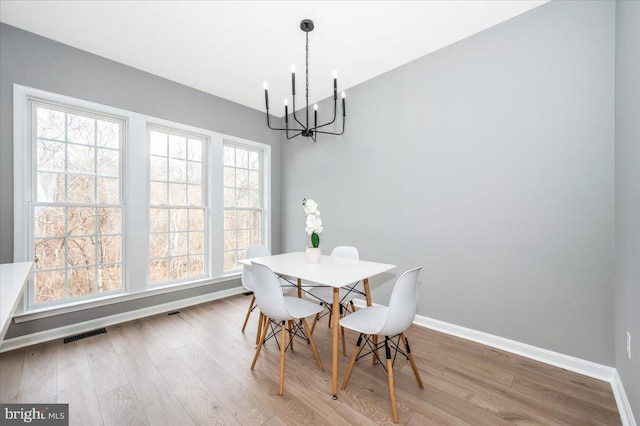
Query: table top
(13,277)
(331,271)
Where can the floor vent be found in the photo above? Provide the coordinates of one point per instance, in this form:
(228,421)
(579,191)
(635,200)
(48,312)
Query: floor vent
(84,335)
(174,313)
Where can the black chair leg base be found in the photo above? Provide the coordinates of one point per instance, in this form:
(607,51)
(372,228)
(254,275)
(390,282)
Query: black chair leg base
(334,397)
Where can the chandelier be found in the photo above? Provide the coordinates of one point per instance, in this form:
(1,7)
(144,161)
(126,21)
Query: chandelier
(299,128)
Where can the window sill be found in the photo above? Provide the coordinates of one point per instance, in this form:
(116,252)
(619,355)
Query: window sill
(50,311)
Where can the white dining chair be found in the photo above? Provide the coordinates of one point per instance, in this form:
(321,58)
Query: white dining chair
(283,313)
(324,294)
(254,251)
(389,322)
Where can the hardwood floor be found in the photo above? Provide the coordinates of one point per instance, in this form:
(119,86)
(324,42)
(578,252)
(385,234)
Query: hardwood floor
(193,368)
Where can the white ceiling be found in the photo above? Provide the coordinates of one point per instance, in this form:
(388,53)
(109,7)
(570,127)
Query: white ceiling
(229,48)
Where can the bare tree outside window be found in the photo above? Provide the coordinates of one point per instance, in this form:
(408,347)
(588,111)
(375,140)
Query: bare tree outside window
(77,212)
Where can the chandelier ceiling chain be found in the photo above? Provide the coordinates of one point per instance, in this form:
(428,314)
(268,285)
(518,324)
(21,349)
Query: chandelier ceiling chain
(305,129)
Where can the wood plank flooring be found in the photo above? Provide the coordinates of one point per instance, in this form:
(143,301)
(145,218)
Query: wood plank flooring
(193,368)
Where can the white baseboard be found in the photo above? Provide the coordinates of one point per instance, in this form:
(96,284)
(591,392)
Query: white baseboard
(577,365)
(624,407)
(83,327)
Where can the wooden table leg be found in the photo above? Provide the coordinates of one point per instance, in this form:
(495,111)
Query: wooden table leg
(336,326)
(367,292)
(299,288)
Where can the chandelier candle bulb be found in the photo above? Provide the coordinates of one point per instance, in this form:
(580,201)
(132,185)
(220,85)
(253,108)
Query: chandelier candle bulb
(286,111)
(315,115)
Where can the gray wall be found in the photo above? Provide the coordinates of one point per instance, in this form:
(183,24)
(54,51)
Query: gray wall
(490,163)
(34,61)
(627,268)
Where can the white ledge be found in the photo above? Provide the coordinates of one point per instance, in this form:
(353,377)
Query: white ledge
(50,311)
(13,278)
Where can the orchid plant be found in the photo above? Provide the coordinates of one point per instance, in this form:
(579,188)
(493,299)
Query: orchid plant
(314,223)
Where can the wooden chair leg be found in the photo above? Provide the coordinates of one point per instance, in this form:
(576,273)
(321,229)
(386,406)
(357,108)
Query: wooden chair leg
(375,355)
(315,321)
(411,360)
(264,334)
(392,391)
(259,331)
(313,344)
(344,345)
(353,307)
(290,324)
(347,375)
(253,300)
(283,346)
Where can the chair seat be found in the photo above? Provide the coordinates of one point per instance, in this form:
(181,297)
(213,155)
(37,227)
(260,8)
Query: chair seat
(325,294)
(299,308)
(369,320)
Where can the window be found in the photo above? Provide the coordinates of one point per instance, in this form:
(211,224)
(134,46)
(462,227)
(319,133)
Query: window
(177,210)
(243,202)
(77,209)
(112,204)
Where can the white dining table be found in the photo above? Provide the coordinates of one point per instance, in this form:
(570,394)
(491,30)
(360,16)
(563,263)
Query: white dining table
(331,271)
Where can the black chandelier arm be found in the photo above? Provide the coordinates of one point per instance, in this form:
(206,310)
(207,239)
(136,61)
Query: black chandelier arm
(286,125)
(283,128)
(291,137)
(335,114)
(269,124)
(333,133)
(294,113)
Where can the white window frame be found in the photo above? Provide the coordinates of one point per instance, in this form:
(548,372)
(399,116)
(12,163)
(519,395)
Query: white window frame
(135,193)
(33,103)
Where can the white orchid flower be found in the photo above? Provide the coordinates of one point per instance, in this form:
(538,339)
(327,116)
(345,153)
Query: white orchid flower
(310,207)
(313,222)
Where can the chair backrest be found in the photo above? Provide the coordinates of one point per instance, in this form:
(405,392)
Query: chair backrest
(403,303)
(258,250)
(268,293)
(346,252)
